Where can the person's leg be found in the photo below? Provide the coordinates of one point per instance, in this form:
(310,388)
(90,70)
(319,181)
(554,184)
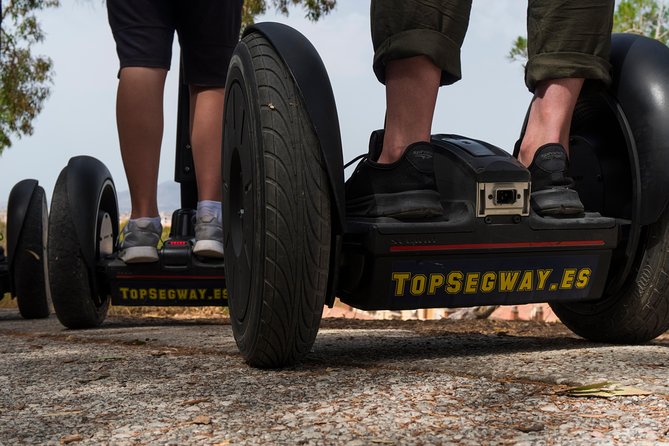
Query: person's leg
(206,133)
(139,116)
(566,44)
(412,85)
(206,139)
(208,32)
(417,49)
(550,116)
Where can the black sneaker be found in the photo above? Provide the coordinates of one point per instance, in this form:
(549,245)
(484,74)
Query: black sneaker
(405,189)
(553,192)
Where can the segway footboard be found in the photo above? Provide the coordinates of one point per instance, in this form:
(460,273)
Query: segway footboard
(178,279)
(392,265)
(488,249)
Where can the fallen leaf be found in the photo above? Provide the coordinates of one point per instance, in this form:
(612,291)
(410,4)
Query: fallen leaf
(202,419)
(606,389)
(71,439)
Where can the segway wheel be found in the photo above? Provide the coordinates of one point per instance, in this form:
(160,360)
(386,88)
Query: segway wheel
(79,300)
(639,311)
(29,269)
(277,219)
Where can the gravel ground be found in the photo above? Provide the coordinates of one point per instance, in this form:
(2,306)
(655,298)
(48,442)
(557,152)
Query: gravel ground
(167,381)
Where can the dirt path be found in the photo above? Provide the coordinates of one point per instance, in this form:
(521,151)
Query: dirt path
(171,381)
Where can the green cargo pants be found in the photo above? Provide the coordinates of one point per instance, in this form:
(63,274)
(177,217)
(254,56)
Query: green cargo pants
(566,38)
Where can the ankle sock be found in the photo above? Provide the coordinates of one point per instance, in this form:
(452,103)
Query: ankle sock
(154,220)
(210,207)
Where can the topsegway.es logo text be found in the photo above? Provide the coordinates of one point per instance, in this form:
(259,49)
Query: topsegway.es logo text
(173,294)
(460,282)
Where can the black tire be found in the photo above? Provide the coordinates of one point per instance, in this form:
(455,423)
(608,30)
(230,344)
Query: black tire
(639,311)
(635,306)
(277,218)
(77,300)
(29,269)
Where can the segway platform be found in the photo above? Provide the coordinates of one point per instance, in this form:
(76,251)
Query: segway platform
(179,278)
(488,249)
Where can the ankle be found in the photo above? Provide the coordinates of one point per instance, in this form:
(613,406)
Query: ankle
(210,207)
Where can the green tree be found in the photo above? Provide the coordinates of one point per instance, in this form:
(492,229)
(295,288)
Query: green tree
(24,78)
(314,9)
(644,17)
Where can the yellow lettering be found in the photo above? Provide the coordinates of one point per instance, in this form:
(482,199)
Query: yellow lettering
(143,293)
(472,282)
(436,280)
(400,282)
(133,294)
(488,282)
(162,294)
(171,294)
(568,278)
(526,281)
(418,284)
(217,294)
(225,294)
(153,293)
(124,293)
(192,295)
(454,282)
(182,294)
(507,280)
(203,293)
(583,278)
(542,276)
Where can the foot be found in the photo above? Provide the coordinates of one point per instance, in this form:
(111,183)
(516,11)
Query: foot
(208,237)
(553,192)
(139,239)
(405,189)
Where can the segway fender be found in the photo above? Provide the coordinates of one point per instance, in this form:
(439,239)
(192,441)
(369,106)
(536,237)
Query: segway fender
(641,86)
(313,83)
(17,207)
(86,178)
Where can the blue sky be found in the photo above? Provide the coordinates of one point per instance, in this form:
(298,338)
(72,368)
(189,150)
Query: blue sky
(489,103)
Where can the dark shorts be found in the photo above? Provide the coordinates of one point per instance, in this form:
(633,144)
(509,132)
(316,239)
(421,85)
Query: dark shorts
(566,38)
(208,31)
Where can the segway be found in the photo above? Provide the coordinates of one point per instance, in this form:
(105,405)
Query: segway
(86,273)
(23,272)
(290,249)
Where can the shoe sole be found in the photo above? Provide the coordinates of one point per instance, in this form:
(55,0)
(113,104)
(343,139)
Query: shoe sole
(139,254)
(208,248)
(401,205)
(557,202)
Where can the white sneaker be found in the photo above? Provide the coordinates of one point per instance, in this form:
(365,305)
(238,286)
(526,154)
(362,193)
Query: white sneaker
(209,237)
(139,239)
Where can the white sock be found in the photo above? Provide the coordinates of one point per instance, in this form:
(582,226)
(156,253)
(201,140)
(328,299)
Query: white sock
(155,220)
(210,207)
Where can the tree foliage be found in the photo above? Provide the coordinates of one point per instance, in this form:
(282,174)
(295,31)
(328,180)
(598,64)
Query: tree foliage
(314,9)
(644,17)
(648,18)
(24,78)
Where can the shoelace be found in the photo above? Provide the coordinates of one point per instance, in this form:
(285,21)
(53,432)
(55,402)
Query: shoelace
(359,157)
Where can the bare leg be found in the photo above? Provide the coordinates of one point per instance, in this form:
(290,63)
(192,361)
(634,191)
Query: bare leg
(412,85)
(206,138)
(550,116)
(139,116)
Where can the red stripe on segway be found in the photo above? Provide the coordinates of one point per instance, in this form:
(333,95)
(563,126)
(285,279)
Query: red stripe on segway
(165,277)
(457,247)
